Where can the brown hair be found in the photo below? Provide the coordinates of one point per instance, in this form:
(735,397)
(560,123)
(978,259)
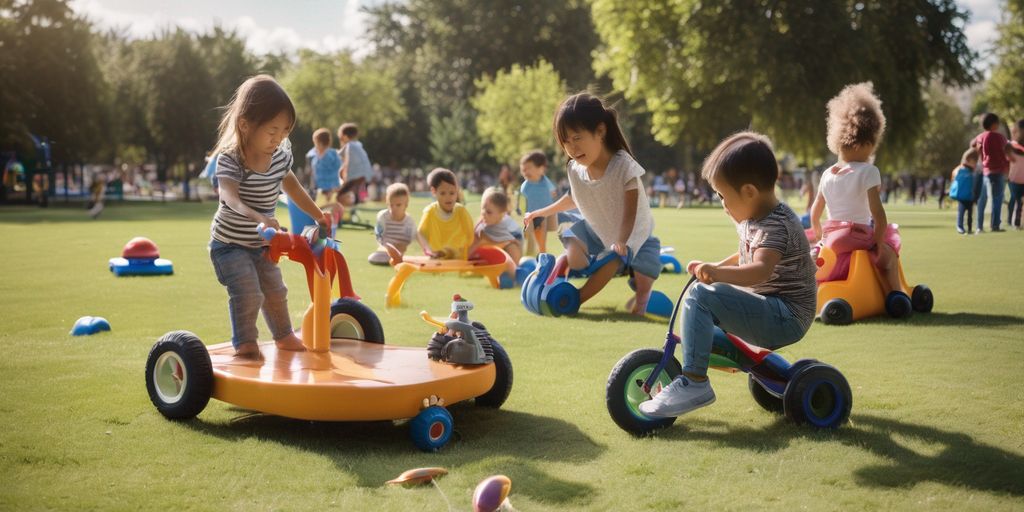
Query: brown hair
(970,154)
(855,118)
(496,197)
(584,111)
(743,158)
(396,190)
(322,136)
(258,100)
(349,130)
(441,175)
(537,158)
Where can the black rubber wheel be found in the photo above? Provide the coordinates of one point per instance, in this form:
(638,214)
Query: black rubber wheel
(624,392)
(898,305)
(837,312)
(353,319)
(766,400)
(179,375)
(921,299)
(502,379)
(818,395)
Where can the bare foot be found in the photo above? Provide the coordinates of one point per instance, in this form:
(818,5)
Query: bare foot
(639,308)
(393,253)
(250,350)
(290,342)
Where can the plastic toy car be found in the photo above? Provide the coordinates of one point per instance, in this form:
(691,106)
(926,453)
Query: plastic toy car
(806,391)
(849,289)
(347,373)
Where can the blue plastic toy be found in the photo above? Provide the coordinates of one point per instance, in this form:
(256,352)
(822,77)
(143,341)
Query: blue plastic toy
(88,325)
(548,292)
(140,257)
(669,263)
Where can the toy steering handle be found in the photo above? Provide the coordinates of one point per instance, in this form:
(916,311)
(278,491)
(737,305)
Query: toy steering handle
(441,327)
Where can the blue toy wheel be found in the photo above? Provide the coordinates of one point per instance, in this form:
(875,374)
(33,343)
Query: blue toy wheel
(819,396)
(534,284)
(561,298)
(921,299)
(431,429)
(898,305)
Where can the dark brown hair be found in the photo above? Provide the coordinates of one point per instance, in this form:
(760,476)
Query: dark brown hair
(743,158)
(258,100)
(441,175)
(537,158)
(322,136)
(584,111)
(349,130)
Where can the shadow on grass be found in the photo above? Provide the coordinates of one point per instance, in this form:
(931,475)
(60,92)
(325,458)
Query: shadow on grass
(116,211)
(952,458)
(502,441)
(610,314)
(962,319)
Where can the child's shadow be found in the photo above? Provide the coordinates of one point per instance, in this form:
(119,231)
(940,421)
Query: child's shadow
(485,440)
(611,314)
(952,458)
(941,319)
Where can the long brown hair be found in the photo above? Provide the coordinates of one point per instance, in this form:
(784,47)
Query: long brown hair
(258,100)
(584,111)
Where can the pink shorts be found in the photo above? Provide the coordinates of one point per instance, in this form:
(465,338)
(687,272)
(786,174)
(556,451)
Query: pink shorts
(845,237)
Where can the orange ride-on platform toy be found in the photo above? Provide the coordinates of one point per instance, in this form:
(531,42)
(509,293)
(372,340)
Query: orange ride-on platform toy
(490,262)
(347,373)
(857,293)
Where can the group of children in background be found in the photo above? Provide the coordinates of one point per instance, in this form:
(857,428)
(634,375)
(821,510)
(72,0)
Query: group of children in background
(1002,163)
(765,292)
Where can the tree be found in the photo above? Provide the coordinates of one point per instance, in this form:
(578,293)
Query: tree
(1004,92)
(331,89)
(228,61)
(516,109)
(945,135)
(454,142)
(705,69)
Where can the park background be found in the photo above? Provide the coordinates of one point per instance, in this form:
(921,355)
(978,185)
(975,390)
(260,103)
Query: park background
(938,416)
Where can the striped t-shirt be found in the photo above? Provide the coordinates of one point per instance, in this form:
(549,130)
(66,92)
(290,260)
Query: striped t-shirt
(395,232)
(258,191)
(793,277)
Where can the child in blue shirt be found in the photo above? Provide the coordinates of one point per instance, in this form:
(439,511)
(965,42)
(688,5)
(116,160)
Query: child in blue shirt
(539,193)
(326,166)
(962,189)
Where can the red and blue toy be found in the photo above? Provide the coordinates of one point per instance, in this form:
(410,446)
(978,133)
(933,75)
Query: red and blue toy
(806,391)
(140,257)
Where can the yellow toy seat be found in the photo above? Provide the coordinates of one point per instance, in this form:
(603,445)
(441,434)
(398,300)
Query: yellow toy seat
(492,262)
(860,294)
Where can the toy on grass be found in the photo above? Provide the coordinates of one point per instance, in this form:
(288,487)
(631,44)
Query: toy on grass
(491,494)
(88,325)
(548,292)
(490,262)
(806,391)
(669,263)
(850,288)
(347,373)
(140,257)
(418,476)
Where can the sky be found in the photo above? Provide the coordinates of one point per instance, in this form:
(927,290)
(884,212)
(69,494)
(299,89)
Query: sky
(329,25)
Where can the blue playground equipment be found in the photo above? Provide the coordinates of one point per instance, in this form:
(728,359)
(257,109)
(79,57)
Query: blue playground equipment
(548,292)
(140,257)
(88,325)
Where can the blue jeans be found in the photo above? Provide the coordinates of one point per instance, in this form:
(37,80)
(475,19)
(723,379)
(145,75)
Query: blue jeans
(253,282)
(964,207)
(761,320)
(1013,206)
(994,186)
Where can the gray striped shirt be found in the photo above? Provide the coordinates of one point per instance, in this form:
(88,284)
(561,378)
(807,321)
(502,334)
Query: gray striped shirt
(258,191)
(793,277)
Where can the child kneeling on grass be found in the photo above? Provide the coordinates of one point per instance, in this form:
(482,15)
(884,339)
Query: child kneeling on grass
(765,293)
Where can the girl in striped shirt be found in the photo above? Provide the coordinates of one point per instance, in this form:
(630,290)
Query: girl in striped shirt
(254,164)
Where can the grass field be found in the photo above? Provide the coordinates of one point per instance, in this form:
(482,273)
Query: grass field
(937,421)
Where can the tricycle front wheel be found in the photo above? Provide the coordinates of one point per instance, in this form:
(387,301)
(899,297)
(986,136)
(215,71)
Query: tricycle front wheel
(624,392)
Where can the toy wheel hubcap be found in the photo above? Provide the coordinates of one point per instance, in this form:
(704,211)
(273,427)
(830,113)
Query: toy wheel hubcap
(436,430)
(634,391)
(169,377)
(821,400)
(346,326)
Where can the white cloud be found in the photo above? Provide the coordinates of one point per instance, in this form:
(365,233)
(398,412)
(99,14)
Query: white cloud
(259,39)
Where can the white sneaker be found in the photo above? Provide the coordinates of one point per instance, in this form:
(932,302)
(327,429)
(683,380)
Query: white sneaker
(680,397)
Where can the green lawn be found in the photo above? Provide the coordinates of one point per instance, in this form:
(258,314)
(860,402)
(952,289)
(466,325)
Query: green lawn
(937,421)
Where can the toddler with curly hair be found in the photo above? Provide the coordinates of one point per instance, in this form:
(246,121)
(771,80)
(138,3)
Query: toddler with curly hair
(850,188)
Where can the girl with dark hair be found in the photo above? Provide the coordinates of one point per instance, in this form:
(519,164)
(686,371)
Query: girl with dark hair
(605,185)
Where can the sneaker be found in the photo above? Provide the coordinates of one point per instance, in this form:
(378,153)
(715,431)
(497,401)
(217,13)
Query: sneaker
(979,231)
(680,397)
(998,230)
(960,230)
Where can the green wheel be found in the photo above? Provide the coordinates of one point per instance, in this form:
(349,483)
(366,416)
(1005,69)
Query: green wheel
(624,392)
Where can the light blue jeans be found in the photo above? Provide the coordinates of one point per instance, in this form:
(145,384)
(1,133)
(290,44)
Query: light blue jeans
(761,320)
(994,186)
(253,282)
